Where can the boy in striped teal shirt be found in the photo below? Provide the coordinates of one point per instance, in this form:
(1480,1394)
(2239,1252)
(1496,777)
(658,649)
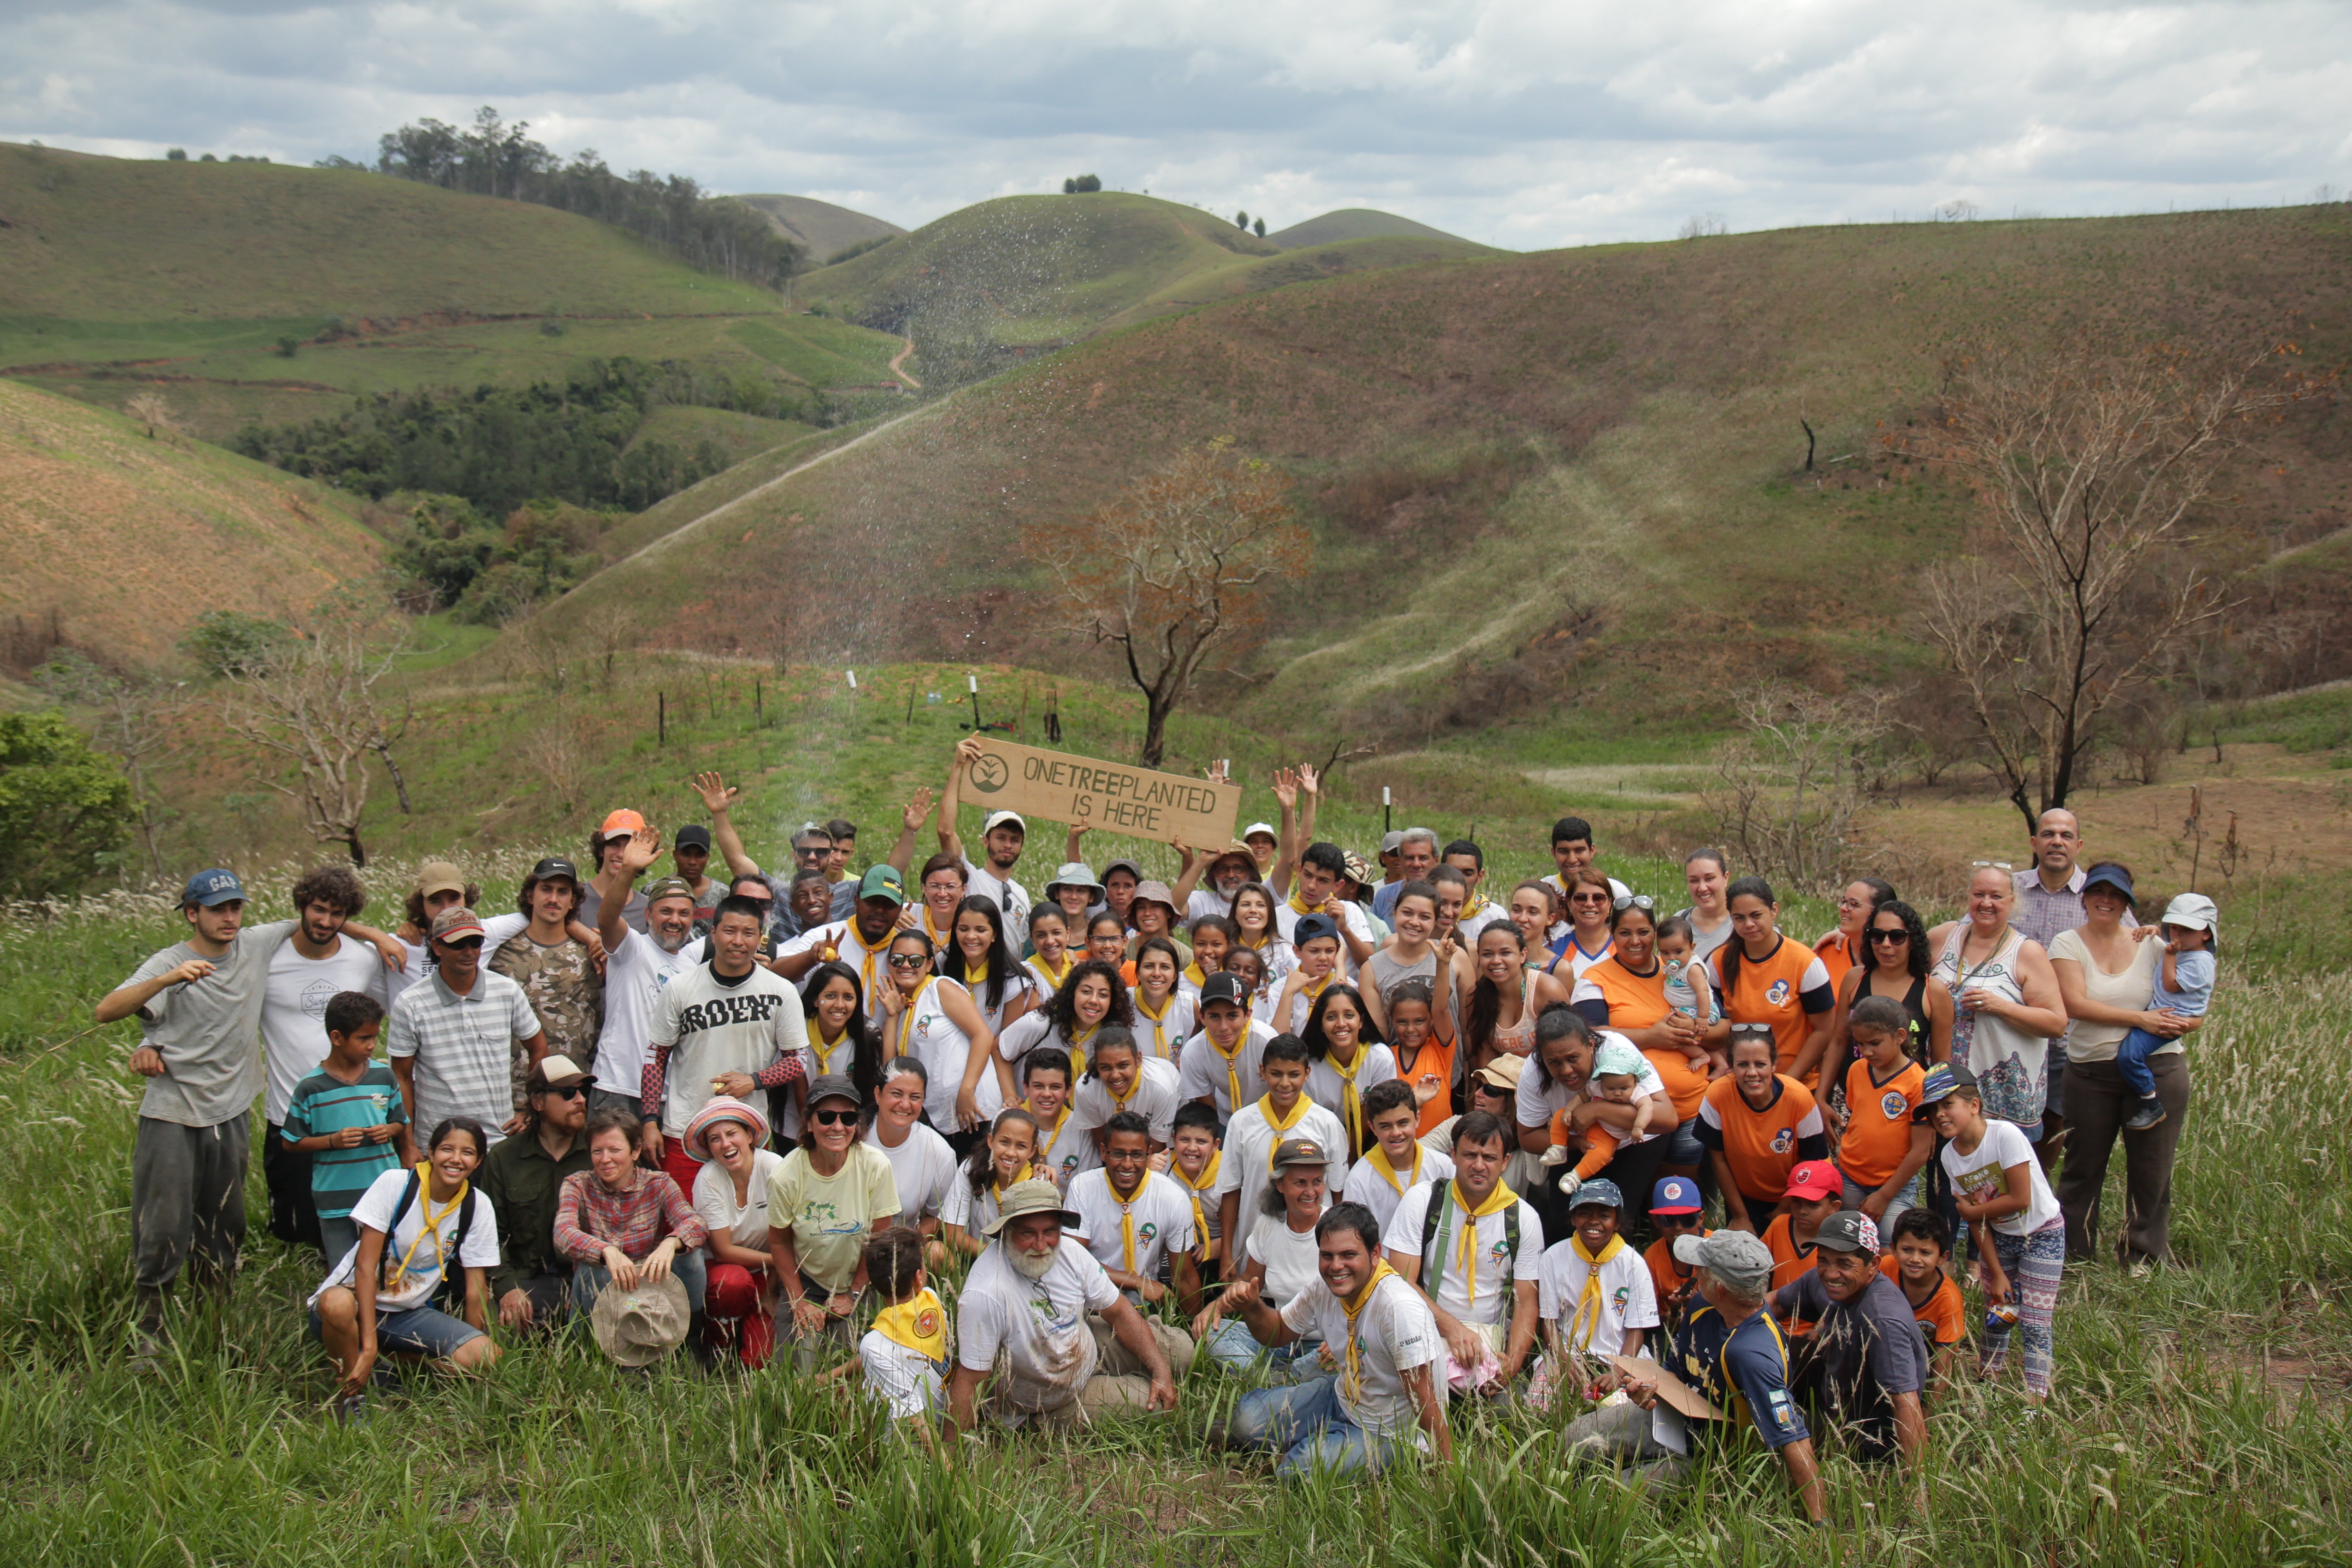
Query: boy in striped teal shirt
(348,1117)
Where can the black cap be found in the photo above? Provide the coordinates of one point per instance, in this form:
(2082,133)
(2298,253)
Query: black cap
(1224,987)
(555,866)
(1850,1230)
(692,839)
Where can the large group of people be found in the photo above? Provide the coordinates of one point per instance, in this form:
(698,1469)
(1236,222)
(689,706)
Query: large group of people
(1393,1146)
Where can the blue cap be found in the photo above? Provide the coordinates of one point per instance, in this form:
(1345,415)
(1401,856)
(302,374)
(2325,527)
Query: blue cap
(1937,1087)
(1596,1191)
(1675,1194)
(216,885)
(2113,876)
(1310,927)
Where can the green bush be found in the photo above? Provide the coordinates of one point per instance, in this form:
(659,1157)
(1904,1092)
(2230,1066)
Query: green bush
(229,642)
(65,810)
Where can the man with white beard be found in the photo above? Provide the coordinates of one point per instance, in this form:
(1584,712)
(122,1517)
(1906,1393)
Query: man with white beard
(637,967)
(1022,1317)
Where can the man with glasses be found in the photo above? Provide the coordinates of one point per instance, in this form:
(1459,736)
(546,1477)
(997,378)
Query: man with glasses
(523,1179)
(453,1041)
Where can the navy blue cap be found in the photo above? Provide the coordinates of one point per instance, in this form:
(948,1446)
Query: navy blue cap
(1597,1192)
(2115,877)
(1309,927)
(1675,1194)
(215,885)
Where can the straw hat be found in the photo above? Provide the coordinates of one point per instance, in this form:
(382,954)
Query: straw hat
(637,1328)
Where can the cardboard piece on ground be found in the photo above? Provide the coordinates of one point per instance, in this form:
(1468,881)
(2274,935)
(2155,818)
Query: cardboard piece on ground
(1672,1390)
(1117,796)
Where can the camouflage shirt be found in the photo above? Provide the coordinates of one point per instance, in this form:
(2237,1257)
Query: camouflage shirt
(564,989)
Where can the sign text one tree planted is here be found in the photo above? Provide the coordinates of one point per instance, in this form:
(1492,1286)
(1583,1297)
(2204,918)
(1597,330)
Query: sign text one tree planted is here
(1117,796)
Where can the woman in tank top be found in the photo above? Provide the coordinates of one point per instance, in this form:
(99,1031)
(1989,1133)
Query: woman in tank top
(2008,1007)
(1501,1005)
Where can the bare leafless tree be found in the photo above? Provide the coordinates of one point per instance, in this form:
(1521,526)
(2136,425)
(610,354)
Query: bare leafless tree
(2087,460)
(153,410)
(133,715)
(1789,787)
(317,701)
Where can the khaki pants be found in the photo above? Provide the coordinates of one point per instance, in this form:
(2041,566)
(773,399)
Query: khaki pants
(1119,1389)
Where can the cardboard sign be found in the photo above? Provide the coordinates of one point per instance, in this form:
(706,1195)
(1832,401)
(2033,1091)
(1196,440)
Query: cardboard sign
(1117,796)
(1672,1390)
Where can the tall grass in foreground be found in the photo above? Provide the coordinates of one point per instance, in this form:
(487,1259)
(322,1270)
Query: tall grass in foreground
(2201,1417)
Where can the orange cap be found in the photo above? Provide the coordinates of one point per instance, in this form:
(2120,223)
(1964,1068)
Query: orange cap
(624,823)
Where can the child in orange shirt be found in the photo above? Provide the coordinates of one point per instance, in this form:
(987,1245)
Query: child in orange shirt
(1883,1146)
(1676,1209)
(1816,1191)
(1915,1261)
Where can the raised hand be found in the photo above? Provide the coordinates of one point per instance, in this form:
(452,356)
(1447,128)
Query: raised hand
(1286,786)
(919,809)
(642,849)
(1309,780)
(716,797)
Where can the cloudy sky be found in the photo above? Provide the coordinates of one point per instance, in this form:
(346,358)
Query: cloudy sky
(1524,125)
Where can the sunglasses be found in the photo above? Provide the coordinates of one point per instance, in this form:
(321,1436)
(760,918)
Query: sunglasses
(833,1117)
(1880,933)
(1675,1221)
(571,1091)
(909,961)
(463,944)
(1634,901)
(1589,898)
(1991,866)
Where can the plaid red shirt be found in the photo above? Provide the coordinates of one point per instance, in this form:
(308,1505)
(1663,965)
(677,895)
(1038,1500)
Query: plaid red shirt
(591,1216)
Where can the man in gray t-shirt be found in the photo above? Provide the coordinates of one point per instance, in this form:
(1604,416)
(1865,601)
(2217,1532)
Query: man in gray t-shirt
(198,1003)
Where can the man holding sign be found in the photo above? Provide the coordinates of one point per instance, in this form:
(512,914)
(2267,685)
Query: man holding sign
(1002,836)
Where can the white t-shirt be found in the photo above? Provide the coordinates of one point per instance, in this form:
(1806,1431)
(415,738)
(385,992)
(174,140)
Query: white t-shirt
(1064,1150)
(1202,1074)
(1202,902)
(1367,1184)
(1291,1256)
(1977,1177)
(713,1026)
(925,1032)
(1011,897)
(2086,1041)
(1357,919)
(850,948)
(923,1166)
(1037,1328)
(1537,1101)
(961,1207)
(424,1259)
(1496,1268)
(1376,1064)
(1249,1147)
(1164,1040)
(634,973)
(714,1200)
(294,1011)
(1161,1210)
(900,1376)
(1395,1332)
(1629,1297)
(1155,1099)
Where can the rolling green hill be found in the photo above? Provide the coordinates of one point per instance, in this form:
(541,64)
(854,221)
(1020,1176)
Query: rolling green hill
(1554,494)
(1355,223)
(1256,275)
(822,229)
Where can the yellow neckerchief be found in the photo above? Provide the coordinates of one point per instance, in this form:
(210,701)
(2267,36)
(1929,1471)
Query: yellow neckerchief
(1351,1382)
(1298,909)
(1590,1297)
(1079,1049)
(974,979)
(1501,1198)
(942,941)
(432,1222)
(1054,1134)
(1196,975)
(1280,1126)
(906,1015)
(1159,1022)
(1126,1216)
(919,1322)
(1266,939)
(1046,972)
(1315,988)
(826,1046)
(1378,1161)
(1028,1171)
(1192,1189)
(1352,1103)
(1233,1073)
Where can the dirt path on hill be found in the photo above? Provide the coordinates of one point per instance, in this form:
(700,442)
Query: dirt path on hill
(901,359)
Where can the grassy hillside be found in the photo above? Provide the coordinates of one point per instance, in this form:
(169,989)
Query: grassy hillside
(1256,275)
(129,540)
(1355,223)
(823,229)
(1556,496)
(1021,272)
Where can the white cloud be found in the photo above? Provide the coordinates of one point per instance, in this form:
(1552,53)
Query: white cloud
(1523,124)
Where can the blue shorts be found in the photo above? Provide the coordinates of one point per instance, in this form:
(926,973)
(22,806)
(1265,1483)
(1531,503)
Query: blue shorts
(426,1331)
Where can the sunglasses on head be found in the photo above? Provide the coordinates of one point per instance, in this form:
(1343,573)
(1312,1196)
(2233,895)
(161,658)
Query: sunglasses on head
(833,1117)
(1634,901)
(461,944)
(1991,866)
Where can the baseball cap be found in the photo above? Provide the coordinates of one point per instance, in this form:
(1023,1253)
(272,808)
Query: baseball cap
(1596,1194)
(1293,1152)
(1675,1194)
(1937,1087)
(1815,1180)
(556,1071)
(439,877)
(1074,874)
(997,819)
(457,921)
(1129,867)
(1734,1257)
(1849,1231)
(1224,987)
(669,888)
(691,839)
(620,824)
(1255,828)
(882,882)
(1037,1195)
(2192,911)
(1392,841)
(214,885)
(554,865)
(832,1086)
(1310,927)
(2113,876)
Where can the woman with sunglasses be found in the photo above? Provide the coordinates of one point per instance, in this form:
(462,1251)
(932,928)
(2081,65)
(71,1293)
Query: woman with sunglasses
(1841,947)
(1895,966)
(828,1196)
(1589,900)
(2007,1005)
(936,1022)
(1626,991)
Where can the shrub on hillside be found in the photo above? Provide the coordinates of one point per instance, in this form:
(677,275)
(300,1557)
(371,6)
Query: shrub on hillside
(485,573)
(226,643)
(1081,184)
(65,809)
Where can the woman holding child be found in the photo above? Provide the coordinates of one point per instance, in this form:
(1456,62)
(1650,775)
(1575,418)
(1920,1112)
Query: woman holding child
(1629,991)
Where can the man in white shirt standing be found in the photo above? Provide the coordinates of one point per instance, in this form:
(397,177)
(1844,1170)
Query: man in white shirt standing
(729,1026)
(1002,837)
(636,967)
(920,1160)
(1474,1248)
(317,961)
(1022,1316)
(1387,1399)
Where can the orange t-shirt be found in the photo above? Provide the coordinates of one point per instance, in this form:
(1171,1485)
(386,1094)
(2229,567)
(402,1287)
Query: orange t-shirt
(1431,1057)
(1665,1275)
(1761,1146)
(1837,955)
(1879,1121)
(1788,1264)
(1636,1002)
(1945,1312)
(1787,990)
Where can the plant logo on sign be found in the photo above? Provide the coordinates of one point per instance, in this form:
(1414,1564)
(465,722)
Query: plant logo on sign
(989,773)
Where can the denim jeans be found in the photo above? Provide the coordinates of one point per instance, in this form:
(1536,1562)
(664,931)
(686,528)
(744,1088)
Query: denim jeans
(1233,1348)
(589,1279)
(1307,1426)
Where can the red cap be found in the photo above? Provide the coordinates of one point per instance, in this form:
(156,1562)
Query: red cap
(1815,1180)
